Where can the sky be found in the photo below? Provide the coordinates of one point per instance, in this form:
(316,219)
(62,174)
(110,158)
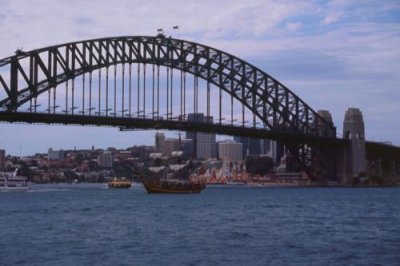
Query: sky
(333,54)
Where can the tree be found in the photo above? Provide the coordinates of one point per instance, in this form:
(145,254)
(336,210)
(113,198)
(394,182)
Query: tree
(258,165)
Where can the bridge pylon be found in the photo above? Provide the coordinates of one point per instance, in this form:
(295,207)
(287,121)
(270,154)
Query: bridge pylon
(354,155)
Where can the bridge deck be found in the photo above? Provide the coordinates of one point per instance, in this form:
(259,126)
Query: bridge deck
(147,123)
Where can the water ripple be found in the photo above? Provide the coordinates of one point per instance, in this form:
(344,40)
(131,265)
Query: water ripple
(90,225)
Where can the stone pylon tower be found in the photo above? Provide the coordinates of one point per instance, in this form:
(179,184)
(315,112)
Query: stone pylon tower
(353,130)
(327,154)
(326,115)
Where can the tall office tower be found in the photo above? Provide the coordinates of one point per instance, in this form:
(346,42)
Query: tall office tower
(170,145)
(251,146)
(273,149)
(230,151)
(353,130)
(268,148)
(195,118)
(204,144)
(187,148)
(2,159)
(159,139)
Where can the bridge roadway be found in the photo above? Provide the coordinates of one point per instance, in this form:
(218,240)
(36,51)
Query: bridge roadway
(147,123)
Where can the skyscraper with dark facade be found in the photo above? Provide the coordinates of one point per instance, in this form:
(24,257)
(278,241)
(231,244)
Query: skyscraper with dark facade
(204,144)
(159,141)
(251,146)
(257,147)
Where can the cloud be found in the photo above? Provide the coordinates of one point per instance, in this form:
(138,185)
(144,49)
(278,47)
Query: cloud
(293,26)
(331,17)
(42,23)
(332,54)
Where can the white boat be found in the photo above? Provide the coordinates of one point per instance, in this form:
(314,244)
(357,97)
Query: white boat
(12,182)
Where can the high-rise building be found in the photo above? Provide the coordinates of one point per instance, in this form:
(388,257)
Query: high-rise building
(268,148)
(230,151)
(159,145)
(170,145)
(2,158)
(105,160)
(195,118)
(273,149)
(187,148)
(204,144)
(256,147)
(55,155)
(251,146)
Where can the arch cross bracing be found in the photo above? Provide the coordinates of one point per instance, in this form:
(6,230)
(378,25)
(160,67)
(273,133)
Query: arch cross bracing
(272,102)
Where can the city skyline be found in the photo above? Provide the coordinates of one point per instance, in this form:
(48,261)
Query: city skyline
(334,55)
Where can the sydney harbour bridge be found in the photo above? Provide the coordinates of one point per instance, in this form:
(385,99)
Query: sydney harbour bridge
(156,81)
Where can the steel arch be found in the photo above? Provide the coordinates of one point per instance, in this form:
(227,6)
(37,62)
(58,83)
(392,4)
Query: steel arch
(272,102)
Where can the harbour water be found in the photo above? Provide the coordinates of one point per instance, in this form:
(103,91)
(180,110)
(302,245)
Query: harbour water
(82,224)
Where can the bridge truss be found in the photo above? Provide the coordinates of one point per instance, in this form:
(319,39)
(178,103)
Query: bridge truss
(155,82)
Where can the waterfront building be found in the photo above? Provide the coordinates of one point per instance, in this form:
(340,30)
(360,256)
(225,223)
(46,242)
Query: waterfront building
(105,160)
(55,155)
(230,151)
(2,159)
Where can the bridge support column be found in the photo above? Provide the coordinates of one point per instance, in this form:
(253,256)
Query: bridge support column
(393,170)
(341,155)
(354,155)
(13,84)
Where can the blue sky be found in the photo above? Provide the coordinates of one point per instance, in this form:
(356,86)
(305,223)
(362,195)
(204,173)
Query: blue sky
(333,54)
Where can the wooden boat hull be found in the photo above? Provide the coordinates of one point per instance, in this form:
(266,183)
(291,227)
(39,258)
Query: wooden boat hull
(119,185)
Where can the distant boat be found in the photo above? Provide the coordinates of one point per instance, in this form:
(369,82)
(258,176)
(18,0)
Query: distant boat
(172,186)
(12,182)
(119,183)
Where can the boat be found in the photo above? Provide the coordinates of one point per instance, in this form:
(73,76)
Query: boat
(119,183)
(176,186)
(12,182)
(172,179)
